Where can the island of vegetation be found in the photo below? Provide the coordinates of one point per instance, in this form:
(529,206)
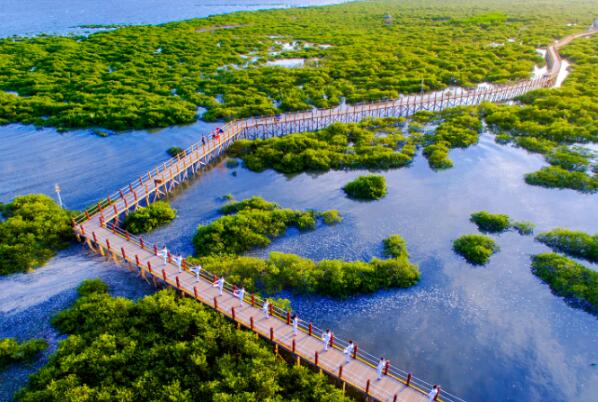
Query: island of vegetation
(174,151)
(254,222)
(146,219)
(33,230)
(223,63)
(568,278)
(371,187)
(163,347)
(12,351)
(573,243)
(499,223)
(476,249)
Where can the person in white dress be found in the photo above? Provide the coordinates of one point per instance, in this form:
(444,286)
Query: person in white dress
(266,309)
(433,393)
(164,254)
(240,293)
(178,260)
(380,367)
(326,339)
(295,324)
(220,285)
(349,351)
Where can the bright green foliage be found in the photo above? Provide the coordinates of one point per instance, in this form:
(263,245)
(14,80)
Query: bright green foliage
(334,278)
(373,143)
(576,244)
(460,127)
(146,219)
(549,120)
(476,249)
(567,278)
(174,151)
(34,229)
(331,217)
(146,76)
(491,223)
(371,187)
(253,224)
(395,246)
(12,351)
(165,348)
(557,177)
(523,227)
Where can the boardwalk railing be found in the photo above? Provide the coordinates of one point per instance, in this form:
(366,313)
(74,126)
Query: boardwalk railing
(98,226)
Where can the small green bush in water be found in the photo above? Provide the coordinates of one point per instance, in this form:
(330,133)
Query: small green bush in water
(331,217)
(174,151)
(34,229)
(372,187)
(567,278)
(575,244)
(524,228)
(476,249)
(491,223)
(146,219)
(557,177)
(12,351)
(165,348)
(251,223)
(395,246)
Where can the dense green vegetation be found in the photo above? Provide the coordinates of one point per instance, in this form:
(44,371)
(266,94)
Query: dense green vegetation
(249,224)
(334,278)
(373,143)
(395,246)
(553,121)
(147,76)
(164,348)
(371,187)
(331,217)
(491,223)
(33,230)
(146,219)
(576,244)
(523,227)
(476,249)
(12,351)
(568,279)
(174,151)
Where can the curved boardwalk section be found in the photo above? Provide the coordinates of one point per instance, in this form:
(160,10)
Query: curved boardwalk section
(99,228)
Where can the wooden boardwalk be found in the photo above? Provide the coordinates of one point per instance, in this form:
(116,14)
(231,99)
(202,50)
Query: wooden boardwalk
(99,228)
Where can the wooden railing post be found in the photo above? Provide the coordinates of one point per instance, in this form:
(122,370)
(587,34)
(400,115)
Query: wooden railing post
(367,387)
(409,379)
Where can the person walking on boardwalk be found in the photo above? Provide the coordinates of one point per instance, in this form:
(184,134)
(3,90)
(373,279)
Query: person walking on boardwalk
(179,262)
(295,324)
(349,351)
(380,368)
(326,339)
(433,393)
(203,140)
(220,284)
(241,295)
(164,254)
(266,309)
(197,271)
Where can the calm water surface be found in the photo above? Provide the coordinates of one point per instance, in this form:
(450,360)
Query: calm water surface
(488,334)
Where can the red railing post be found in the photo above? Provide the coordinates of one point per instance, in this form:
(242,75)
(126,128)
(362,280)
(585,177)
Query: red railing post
(122,250)
(340,371)
(86,215)
(251,322)
(109,200)
(164,275)
(95,238)
(355,351)
(252,300)
(195,292)
(121,194)
(311,329)
(232,310)
(108,243)
(149,267)
(331,340)
(184,264)
(317,355)
(409,379)
(178,282)
(367,387)
(394,398)
(115,209)
(141,243)
(155,250)
(215,302)
(294,346)
(270,309)
(82,229)
(288,317)
(386,367)
(127,236)
(137,260)
(271,334)
(102,222)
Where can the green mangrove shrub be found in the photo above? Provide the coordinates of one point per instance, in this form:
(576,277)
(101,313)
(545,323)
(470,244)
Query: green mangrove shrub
(33,230)
(12,351)
(524,228)
(371,187)
(491,223)
(573,243)
(557,177)
(568,279)
(476,249)
(163,347)
(395,246)
(174,151)
(331,217)
(146,219)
